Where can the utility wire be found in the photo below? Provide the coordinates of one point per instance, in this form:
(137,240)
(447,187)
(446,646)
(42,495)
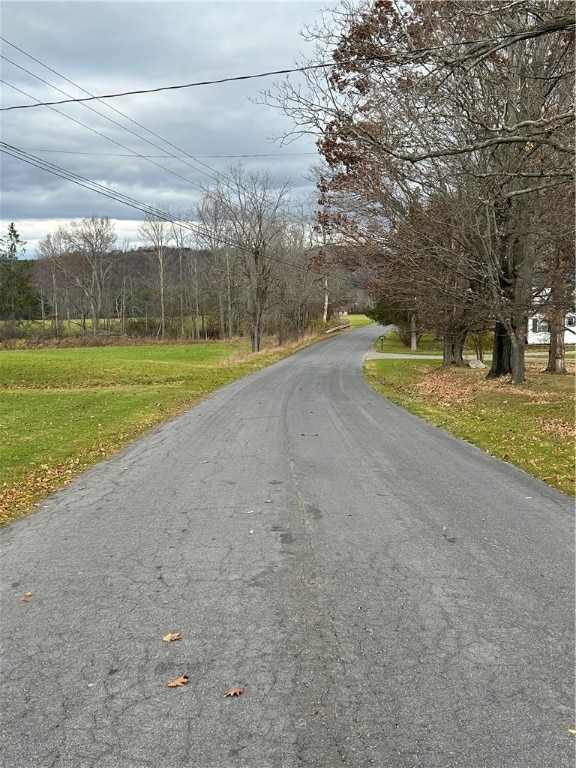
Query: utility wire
(109,106)
(94,186)
(84,182)
(129,201)
(108,138)
(219,176)
(119,125)
(108,154)
(560,24)
(172,87)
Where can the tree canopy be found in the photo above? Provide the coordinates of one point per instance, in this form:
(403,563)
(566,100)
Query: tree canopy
(446,131)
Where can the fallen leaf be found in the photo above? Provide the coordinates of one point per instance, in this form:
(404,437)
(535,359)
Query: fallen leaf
(26,597)
(171,636)
(572,730)
(267,501)
(178,682)
(251,532)
(233,692)
(205,462)
(444,527)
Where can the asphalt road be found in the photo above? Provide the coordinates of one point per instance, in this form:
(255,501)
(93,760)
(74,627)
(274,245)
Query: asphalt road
(385,594)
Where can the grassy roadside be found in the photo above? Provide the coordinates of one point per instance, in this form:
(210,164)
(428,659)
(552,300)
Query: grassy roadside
(428,345)
(431,345)
(529,425)
(62,410)
(358,321)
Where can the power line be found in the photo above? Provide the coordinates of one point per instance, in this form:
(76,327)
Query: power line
(114,122)
(100,189)
(80,180)
(545,28)
(113,109)
(231,157)
(171,87)
(219,176)
(131,202)
(108,138)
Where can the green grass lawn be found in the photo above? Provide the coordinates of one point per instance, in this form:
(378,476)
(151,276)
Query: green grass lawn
(427,345)
(113,366)
(530,425)
(62,410)
(431,345)
(358,321)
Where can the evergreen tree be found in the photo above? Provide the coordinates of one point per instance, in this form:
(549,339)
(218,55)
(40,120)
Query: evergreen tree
(18,298)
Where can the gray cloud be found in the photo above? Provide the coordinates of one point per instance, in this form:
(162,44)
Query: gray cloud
(110,47)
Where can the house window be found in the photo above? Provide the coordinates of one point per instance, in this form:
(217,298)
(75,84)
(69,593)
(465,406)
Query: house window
(571,320)
(542,326)
(534,325)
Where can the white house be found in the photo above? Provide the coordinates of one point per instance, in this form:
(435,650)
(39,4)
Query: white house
(539,333)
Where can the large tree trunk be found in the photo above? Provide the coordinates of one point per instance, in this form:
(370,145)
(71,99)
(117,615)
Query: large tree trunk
(501,353)
(454,340)
(556,352)
(508,352)
(517,367)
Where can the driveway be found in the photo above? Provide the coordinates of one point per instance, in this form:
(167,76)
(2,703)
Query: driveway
(383,593)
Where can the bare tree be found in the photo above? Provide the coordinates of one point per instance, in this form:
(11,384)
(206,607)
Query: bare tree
(182,236)
(217,234)
(49,252)
(92,240)
(249,215)
(158,233)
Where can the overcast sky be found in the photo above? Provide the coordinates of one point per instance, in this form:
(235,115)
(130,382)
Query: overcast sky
(109,47)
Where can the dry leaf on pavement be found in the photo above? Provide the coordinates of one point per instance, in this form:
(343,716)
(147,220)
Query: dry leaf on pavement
(233,692)
(178,682)
(171,636)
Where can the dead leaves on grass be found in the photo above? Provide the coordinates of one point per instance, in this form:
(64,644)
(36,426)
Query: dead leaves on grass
(559,427)
(17,499)
(447,386)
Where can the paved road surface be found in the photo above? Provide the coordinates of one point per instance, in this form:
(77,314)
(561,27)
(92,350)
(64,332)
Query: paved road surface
(403,601)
